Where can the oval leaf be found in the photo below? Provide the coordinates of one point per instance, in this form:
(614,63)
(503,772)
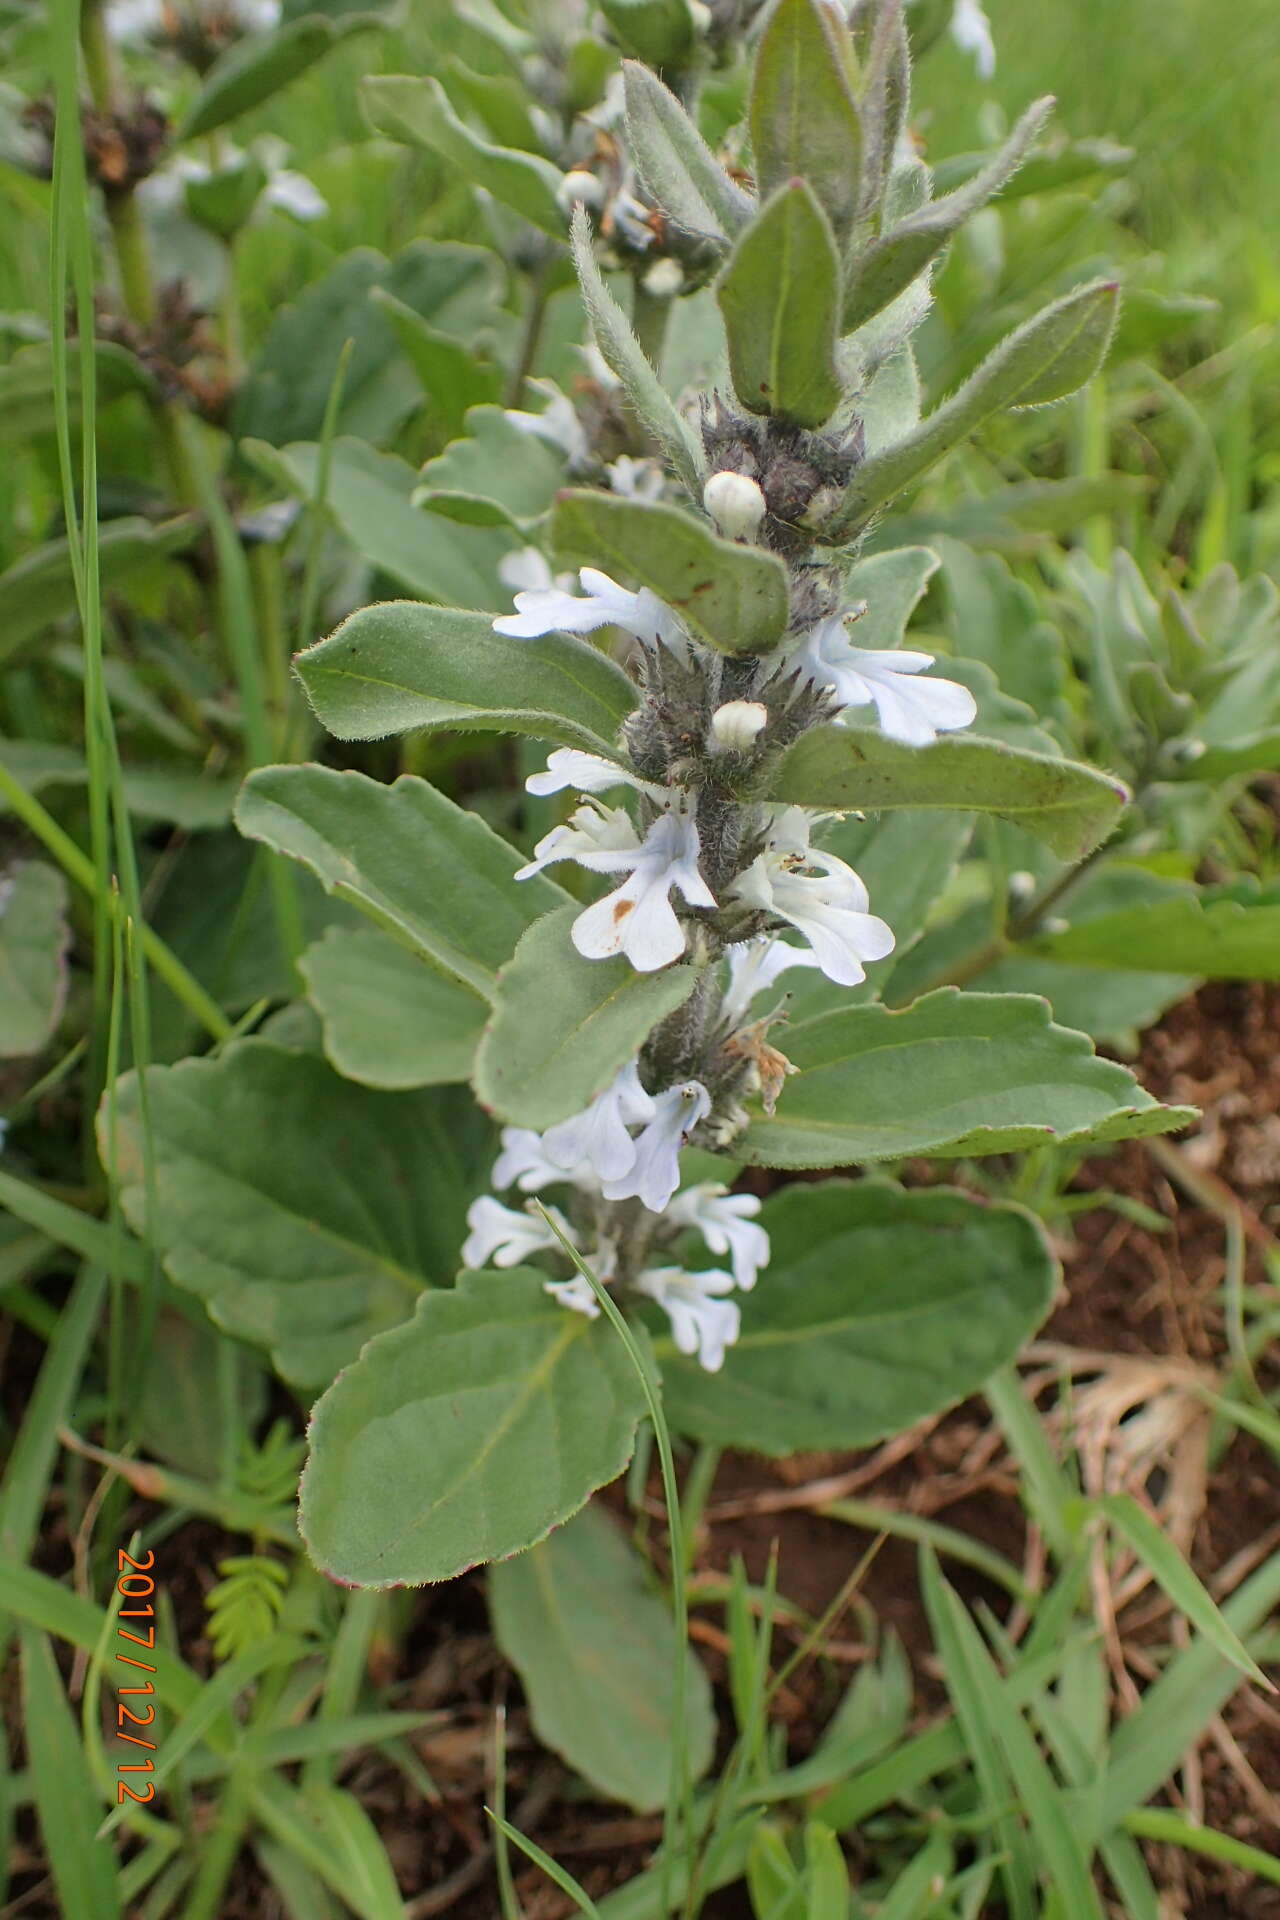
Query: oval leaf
(1224,938)
(563,1026)
(416,109)
(466,1434)
(1070,807)
(401,665)
(34,937)
(390,1020)
(580,1620)
(674,162)
(956,1073)
(780,297)
(878,1307)
(419,866)
(803,119)
(307,1213)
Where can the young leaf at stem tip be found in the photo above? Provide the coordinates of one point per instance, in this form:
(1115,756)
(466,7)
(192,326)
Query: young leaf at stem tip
(780,298)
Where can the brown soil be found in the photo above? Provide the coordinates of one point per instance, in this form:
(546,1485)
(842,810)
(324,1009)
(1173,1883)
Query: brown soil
(1129,1292)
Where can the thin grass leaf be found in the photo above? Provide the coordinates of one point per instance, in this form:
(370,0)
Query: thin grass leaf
(553,1870)
(83,1866)
(1162,1559)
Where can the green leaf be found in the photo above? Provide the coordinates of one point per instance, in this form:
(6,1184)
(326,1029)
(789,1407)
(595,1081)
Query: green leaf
(423,868)
(803,120)
(390,1020)
(1045,359)
(878,1307)
(401,665)
(307,1213)
(624,356)
(82,1862)
(1163,1561)
(457,289)
(657,31)
(34,937)
(675,164)
(499,99)
(258,66)
(466,1434)
(780,297)
(416,110)
(954,1074)
(892,262)
(1008,1757)
(733,598)
(563,1027)
(579,1618)
(454,376)
(1070,807)
(889,586)
(1215,935)
(370,498)
(496,461)
(40,588)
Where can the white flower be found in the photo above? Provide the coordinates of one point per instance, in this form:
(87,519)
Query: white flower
(630,218)
(294,194)
(131,21)
(590,831)
(638,919)
(655,1172)
(754,965)
(664,279)
(524,1162)
(736,725)
(580,188)
(735,503)
(506,1237)
(701,1321)
(602,603)
(570,767)
(635,479)
(577,1294)
(971,31)
(526,567)
(828,907)
(597,1141)
(726,1222)
(913,711)
(558,424)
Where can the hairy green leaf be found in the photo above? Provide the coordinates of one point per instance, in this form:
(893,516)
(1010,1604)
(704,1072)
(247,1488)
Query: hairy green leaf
(954,1074)
(580,1620)
(675,164)
(418,865)
(1068,806)
(562,1026)
(307,1213)
(466,1434)
(892,262)
(1043,360)
(625,357)
(804,123)
(260,65)
(878,1307)
(390,1020)
(780,297)
(401,665)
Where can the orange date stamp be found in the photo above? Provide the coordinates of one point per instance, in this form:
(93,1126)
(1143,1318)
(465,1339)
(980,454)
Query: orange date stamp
(135,1721)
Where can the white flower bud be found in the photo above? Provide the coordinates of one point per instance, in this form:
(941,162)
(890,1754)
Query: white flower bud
(734,727)
(580,188)
(735,503)
(701,16)
(664,279)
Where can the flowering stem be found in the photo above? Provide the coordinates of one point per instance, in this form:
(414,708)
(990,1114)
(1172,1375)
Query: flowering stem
(678,1818)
